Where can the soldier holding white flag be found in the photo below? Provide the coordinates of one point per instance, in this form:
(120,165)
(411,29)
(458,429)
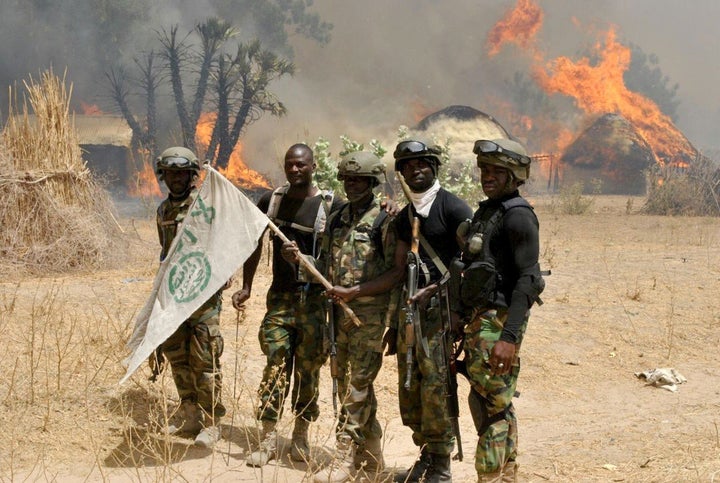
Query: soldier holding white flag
(194,349)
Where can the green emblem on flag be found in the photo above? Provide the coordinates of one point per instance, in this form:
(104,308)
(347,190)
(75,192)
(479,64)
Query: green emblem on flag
(189,277)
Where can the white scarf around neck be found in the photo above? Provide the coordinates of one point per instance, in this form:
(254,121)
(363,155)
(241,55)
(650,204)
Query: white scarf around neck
(423,201)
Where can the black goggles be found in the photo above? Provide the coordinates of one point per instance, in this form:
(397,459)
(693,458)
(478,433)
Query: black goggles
(489,147)
(175,162)
(407,148)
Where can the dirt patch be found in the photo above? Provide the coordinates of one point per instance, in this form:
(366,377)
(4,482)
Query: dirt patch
(628,293)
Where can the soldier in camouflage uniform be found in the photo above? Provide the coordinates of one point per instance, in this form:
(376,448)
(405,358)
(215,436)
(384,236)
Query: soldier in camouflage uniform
(422,406)
(357,256)
(291,333)
(194,350)
(493,284)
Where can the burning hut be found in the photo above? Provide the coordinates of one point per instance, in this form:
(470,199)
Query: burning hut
(612,151)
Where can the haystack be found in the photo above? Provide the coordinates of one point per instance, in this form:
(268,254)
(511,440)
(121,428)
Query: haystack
(55,216)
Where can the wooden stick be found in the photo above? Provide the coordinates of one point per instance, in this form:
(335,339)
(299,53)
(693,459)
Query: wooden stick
(316,273)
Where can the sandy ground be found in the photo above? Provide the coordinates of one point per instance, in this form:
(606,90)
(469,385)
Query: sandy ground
(628,293)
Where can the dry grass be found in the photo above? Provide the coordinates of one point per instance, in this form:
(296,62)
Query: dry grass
(55,216)
(627,293)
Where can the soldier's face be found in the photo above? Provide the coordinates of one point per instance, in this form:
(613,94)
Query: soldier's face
(496,181)
(178,182)
(357,188)
(418,174)
(299,168)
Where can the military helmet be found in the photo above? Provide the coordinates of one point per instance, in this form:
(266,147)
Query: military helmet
(361,163)
(505,153)
(176,158)
(414,149)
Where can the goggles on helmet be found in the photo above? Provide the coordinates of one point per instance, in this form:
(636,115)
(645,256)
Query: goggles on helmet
(483,147)
(177,163)
(407,148)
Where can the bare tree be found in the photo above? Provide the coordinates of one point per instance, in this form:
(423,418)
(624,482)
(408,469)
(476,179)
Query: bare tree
(144,137)
(242,95)
(236,85)
(182,60)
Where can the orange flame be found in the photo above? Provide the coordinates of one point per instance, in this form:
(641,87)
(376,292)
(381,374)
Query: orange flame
(600,89)
(596,89)
(237,171)
(518,26)
(90,109)
(145,184)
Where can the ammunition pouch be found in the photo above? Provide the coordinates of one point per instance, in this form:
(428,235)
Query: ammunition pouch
(473,284)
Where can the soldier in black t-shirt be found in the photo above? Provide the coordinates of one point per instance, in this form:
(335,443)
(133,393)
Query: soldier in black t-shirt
(422,406)
(291,333)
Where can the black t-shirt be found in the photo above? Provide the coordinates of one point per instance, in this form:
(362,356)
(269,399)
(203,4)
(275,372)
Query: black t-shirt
(300,212)
(446,213)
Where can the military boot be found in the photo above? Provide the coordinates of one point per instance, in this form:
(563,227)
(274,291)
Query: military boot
(416,472)
(369,457)
(208,436)
(267,450)
(439,470)
(510,472)
(187,419)
(342,467)
(299,450)
(494,477)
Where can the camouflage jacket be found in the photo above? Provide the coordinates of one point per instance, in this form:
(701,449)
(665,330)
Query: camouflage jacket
(357,248)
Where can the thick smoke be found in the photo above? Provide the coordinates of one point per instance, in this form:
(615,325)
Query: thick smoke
(389,63)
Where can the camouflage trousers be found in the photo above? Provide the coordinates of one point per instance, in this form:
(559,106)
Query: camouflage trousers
(491,396)
(292,339)
(193,352)
(359,359)
(423,407)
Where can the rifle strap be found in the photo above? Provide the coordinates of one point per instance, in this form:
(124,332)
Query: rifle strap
(429,250)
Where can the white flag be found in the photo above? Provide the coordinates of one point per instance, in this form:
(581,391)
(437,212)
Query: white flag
(220,231)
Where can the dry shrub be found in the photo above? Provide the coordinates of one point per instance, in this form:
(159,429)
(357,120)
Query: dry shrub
(55,215)
(691,191)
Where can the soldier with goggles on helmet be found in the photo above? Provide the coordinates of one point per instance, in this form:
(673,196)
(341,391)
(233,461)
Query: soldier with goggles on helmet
(494,282)
(194,350)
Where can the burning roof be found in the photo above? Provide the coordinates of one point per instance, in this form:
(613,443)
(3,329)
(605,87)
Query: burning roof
(612,151)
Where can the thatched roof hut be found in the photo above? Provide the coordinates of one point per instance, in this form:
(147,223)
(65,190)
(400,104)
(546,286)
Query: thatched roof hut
(612,151)
(463,125)
(105,142)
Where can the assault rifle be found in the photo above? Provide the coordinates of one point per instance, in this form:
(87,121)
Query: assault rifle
(451,350)
(333,352)
(412,323)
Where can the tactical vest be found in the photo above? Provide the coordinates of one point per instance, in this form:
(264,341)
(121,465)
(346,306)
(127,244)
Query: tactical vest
(474,277)
(323,210)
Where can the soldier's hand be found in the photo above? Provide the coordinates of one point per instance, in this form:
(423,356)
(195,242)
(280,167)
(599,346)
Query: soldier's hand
(240,297)
(423,295)
(501,357)
(390,206)
(345,294)
(290,252)
(389,342)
